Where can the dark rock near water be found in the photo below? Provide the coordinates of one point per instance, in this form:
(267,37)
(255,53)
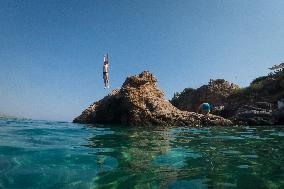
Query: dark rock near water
(279,117)
(258,116)
(252,105)
(257,103)
(254,115)
(139,102)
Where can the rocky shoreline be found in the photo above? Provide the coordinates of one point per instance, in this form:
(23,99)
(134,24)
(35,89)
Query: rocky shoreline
(139,103)
(255,105)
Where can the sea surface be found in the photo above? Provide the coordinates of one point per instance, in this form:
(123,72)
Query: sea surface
(55,155)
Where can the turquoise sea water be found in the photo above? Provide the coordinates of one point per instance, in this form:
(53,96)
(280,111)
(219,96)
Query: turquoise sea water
(43,154)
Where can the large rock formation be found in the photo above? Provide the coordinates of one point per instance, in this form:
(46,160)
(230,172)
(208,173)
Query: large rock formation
(140,102)
(215,93)
(252,105)
(258,114)
(257,103)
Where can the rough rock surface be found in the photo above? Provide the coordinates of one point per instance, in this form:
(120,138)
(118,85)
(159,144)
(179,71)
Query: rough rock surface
(252,105)
(215,93)
(139,102)
(259,114)
(257,103)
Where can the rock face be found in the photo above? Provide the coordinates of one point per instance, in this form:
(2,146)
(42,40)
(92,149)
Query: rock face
(259,114)
(257,103)
(140,102)
(215,93)
(252,105)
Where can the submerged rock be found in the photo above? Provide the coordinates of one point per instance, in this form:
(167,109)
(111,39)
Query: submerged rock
(140,102)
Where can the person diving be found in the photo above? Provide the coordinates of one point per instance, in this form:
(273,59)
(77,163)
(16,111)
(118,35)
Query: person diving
(105,71)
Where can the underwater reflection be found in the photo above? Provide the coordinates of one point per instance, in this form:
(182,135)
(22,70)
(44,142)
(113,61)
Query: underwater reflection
(135,151)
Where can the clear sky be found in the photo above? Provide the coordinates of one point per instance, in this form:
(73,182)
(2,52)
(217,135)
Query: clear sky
(51,51)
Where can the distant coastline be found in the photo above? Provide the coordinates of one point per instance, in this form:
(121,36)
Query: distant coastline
(4,115)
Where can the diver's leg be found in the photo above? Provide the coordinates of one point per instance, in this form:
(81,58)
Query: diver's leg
(107,81)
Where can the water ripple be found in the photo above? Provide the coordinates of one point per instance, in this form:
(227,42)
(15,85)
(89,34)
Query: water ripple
(46,154)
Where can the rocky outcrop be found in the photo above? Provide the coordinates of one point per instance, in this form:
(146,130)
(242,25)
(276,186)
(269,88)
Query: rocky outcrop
(252,105)
(259,114)
(139,102)
(257,103)
(215,93)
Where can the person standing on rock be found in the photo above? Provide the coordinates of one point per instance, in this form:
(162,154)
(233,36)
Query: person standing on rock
(105,71)
(204,108)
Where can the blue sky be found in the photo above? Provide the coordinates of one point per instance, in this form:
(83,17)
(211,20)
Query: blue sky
(51,51)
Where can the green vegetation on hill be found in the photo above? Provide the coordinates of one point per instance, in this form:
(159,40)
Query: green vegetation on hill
(265,88)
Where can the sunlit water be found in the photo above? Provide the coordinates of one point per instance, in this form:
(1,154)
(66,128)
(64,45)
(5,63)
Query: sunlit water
(41,154)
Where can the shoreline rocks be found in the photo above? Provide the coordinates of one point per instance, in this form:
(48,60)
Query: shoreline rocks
(253,105)
(139,103)
(254,115)
(215,92)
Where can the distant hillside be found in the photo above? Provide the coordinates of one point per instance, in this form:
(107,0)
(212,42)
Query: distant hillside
(3,115)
